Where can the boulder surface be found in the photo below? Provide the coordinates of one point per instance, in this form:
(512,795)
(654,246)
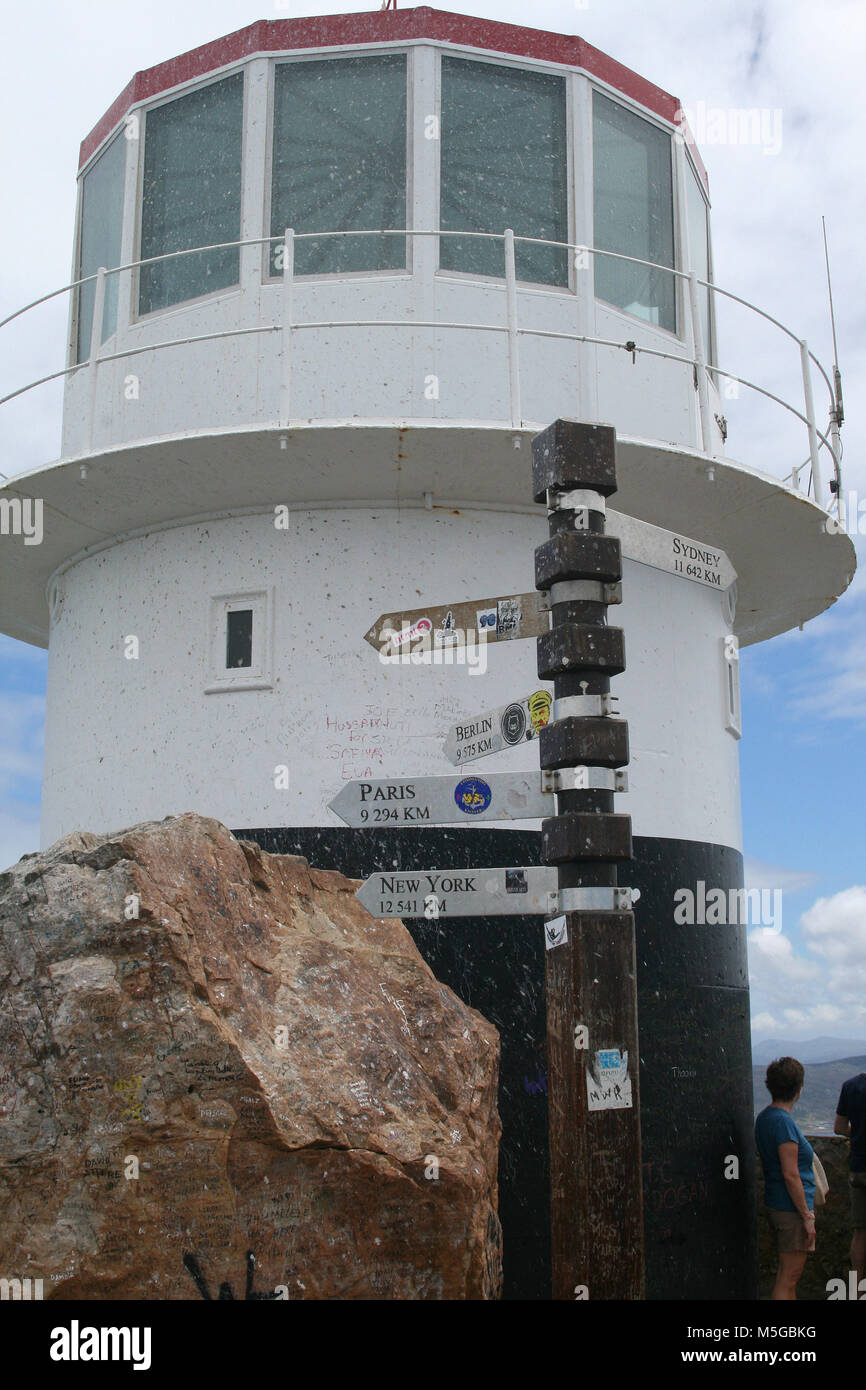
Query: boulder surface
(220,1077)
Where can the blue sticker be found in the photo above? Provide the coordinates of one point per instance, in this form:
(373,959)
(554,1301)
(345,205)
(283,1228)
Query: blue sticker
(472,796)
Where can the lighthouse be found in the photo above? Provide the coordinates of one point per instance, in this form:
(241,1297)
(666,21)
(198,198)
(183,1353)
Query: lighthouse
(330,278)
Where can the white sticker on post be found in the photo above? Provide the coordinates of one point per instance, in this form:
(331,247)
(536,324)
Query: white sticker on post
(555,932)
(608,1087)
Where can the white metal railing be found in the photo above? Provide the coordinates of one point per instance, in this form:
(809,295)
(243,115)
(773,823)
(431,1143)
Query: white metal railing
(702,370)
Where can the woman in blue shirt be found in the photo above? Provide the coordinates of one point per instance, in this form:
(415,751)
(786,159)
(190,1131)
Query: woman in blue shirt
(789,1180)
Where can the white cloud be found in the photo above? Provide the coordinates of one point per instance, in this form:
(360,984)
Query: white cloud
(835,927)
(818,1016)
(764,1023)
(772,960)
(760,875)
(822,987)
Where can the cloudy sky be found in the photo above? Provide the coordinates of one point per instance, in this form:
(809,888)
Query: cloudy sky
(804,695)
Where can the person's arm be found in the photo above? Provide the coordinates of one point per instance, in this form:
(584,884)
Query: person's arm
(791,1174)
(842,1123)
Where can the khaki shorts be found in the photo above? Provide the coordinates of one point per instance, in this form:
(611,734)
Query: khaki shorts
(789,1229)
(858,1199)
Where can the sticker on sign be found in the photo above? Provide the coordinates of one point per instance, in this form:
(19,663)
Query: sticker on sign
(436,893)
(487,733)
(443,800)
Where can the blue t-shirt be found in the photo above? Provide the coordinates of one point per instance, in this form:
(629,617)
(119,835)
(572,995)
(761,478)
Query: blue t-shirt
(852,1105)
(772,1128)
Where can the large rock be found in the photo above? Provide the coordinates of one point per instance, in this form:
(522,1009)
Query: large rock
(283,1072)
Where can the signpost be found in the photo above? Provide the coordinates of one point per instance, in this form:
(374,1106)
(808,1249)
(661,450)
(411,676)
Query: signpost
(443,800)
(590,968)
(505,727)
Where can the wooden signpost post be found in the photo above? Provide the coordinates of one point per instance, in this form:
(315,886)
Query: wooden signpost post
(592,1029)
(592,1034)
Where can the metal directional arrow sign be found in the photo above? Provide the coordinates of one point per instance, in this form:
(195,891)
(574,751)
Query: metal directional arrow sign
(671,552)
(437,893)
(496,729)
(443,800)
(493,619)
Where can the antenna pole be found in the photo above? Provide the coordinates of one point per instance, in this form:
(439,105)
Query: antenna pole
(837,415)
(837,376)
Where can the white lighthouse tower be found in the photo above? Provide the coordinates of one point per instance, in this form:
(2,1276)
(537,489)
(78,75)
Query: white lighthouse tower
(425,238)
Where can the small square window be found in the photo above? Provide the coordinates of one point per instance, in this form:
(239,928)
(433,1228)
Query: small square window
(240,643)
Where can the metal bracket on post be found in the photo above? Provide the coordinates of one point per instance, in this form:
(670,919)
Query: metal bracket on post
(579,591)
(591,899)
(583,778)
(579,706)
(576,499)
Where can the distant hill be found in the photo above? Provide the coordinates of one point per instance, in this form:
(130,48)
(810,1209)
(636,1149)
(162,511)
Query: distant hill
(815,1111)
(812,1050)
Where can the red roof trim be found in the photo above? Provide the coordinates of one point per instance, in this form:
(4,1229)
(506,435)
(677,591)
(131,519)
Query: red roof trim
(381,26)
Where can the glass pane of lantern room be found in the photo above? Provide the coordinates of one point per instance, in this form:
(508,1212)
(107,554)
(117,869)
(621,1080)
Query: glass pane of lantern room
(699,251)
(339,161)
(633,194)
(99,241)
(192,193)
(503,164)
